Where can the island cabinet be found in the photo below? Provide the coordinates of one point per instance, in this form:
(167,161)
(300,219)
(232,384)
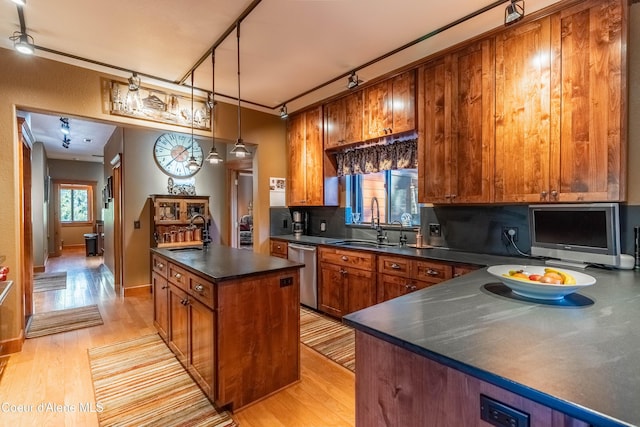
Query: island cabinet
(238,337)
(561,106)
(401,275)
(343,121)
(279,248)
(312,179)
(390,107)
(347,280)
(428,393)
(456,125)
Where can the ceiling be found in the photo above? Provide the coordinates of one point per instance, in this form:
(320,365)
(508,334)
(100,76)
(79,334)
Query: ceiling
(287,47)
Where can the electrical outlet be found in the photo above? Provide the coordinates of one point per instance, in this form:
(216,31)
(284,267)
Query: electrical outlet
(509,231)
(434,230)
(136,224)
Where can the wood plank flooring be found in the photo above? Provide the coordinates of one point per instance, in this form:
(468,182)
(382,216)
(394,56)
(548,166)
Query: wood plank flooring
(54,370)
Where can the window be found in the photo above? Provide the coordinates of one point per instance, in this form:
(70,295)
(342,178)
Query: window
(76,201)
(395,190)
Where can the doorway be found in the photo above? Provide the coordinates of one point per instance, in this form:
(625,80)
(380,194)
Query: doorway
(240,179)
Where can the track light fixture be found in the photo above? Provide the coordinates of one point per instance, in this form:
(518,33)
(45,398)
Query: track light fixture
(213,157)
(23,42)
(20,2)
(353,81)
(239,149)
(514,12)
(283,112)
(65,142)
(64,126)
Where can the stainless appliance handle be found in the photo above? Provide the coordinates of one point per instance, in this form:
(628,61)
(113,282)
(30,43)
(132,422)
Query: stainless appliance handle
(302,247)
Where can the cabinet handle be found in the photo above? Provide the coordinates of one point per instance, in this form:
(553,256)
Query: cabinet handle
(453,196)
(344,258)
(185,302)
(278,246)
(160,265)
(412,287)
(343,272)
(164,287)
(390,130)
(432,272)
(543,195)
(395,266)
(198,288)
(554,194)
(177,276)
(447,196)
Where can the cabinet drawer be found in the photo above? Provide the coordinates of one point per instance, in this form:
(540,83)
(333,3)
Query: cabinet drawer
(433,272)
(159,265)
(279,248)
(355,259)
(178,276)
(396,266)
(203,290)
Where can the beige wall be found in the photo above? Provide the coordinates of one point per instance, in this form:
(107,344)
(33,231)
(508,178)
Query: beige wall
(37,84)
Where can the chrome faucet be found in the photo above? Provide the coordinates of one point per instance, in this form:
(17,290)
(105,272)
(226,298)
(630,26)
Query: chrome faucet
(206,239)
(375,217)
(403,236)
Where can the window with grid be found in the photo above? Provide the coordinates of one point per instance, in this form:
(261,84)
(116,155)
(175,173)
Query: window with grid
(76,201)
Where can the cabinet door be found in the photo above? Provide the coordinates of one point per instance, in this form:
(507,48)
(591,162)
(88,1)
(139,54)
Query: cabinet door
(331,289)
(523,112)
(334,123)
(390,287)
(588,163)
(202,336)
(354,112)
(359,288)
(433,271)
(377,110)
(313,162)
(472,122)
(434,156)
(403,105)
(160,304)
(178,323)
(296,182)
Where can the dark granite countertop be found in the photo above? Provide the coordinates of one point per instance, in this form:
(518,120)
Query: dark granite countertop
(435,253)
(580,356)
(219,263)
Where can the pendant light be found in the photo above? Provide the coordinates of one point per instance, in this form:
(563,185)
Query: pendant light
(193,164)
(214,157)
(239,149)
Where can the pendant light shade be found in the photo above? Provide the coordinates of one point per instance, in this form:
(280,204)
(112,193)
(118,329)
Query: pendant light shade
(192,165)
(239,150)
(213,157)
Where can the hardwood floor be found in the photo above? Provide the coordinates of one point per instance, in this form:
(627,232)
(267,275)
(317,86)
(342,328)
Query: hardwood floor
(54,370)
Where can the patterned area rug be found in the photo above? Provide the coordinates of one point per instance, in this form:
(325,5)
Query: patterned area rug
(141,383)
(43,282)
(328,337)
(55,322)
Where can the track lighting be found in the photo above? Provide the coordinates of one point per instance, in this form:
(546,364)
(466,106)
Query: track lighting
(23,42)
(514,12)
(283,112)
(64,126)
(353,81)
(239,149)
(20,2)
(213,157)
(192,165)
(65,142)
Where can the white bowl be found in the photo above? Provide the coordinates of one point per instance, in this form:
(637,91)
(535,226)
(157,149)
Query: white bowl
(537,290)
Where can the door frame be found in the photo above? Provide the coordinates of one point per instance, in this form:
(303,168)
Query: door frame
(25,139)
(234,168)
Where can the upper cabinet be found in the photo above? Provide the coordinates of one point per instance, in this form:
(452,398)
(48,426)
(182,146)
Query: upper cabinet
(310,180)
(343,121)
(389,106)
(561,107)
(456,126)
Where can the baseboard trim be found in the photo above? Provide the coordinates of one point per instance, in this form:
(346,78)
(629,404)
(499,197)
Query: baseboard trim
(13,345)
(38,268)
(136,291)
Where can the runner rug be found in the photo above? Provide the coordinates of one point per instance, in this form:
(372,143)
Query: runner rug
(43,282)
(328,337)
(141,383)
(55,322)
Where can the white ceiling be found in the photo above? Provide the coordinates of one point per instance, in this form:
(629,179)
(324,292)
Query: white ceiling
(287,46)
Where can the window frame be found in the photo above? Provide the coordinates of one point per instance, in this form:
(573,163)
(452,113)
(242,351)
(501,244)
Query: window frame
(70,185)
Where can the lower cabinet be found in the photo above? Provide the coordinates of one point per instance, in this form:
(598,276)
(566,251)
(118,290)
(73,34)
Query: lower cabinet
(179,324)
(279,248)
(160,304)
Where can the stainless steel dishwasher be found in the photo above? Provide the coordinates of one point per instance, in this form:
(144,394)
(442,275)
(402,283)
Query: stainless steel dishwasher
(308,274)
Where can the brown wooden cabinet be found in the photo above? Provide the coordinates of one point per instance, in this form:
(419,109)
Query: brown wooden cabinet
(312,180)
(172,217)
(346,280)
(389,106)
(402,275)
(279,248)
(160,290)
(456,124)
(561,107)
(343,121)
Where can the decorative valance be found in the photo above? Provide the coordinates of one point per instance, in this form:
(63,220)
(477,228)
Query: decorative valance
(376,158)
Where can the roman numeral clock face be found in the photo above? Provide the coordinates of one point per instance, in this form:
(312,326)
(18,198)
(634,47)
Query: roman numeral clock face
(172,152)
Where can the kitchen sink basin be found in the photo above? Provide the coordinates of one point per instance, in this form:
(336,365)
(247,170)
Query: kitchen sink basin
(366,244)
(186,249)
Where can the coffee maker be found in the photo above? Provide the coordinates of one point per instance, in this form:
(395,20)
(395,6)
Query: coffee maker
(299,223)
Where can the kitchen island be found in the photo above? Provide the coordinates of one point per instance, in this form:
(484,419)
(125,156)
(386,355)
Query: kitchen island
(231,317)
(427,357)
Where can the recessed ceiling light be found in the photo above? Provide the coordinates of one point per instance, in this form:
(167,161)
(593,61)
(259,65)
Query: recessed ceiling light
(87,140)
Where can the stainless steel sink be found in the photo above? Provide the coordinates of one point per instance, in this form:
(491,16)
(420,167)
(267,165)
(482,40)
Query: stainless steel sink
(185,249)
(366,244)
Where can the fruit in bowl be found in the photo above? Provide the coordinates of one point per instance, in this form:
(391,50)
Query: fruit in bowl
(4,271)
(550,276)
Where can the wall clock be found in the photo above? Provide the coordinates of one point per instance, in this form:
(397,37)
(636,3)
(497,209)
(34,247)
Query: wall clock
(172,152)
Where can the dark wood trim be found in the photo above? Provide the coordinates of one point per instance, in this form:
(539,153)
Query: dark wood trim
(134,291)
